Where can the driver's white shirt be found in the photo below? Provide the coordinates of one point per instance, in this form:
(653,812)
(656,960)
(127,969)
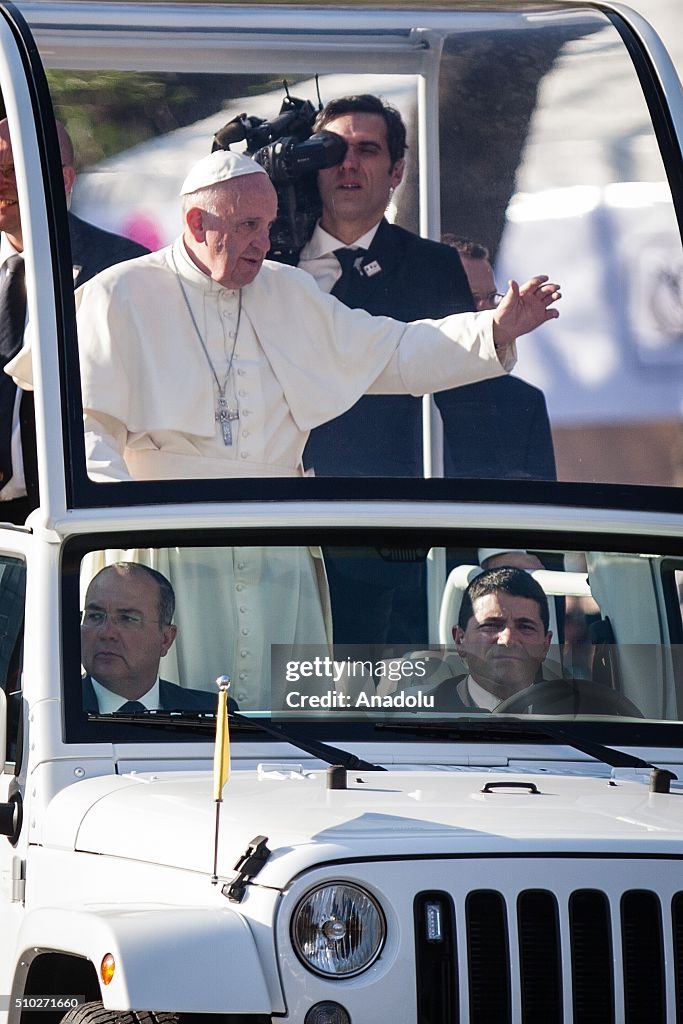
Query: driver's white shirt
(108,701)
(478,696)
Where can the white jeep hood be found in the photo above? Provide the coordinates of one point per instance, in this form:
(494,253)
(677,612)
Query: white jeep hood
(169,818)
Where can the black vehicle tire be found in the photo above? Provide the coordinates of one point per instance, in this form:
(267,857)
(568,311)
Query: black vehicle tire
(95,1013)
(568,697)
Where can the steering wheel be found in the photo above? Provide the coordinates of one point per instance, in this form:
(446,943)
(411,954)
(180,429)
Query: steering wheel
(568,697)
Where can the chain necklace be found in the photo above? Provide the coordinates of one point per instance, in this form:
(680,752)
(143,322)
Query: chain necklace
(224,414)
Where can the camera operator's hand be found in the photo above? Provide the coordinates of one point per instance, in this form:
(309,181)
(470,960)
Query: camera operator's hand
(523,309)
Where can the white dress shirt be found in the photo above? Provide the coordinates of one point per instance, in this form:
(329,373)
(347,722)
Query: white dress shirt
(108,701)
(478,696)
(317,256)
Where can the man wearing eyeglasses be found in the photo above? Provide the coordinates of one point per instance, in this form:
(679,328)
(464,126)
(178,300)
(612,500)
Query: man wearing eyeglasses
(126,628)
(477,265)
(496,428)
(92,250)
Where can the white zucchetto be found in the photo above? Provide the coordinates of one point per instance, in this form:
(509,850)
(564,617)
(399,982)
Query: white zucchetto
(222,165)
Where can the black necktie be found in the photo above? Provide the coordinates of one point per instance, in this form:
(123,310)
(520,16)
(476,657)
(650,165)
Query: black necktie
(12,307)
(12,320)
(350,261)
(132,707)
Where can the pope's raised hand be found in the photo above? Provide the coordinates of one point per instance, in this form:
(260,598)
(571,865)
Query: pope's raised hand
(524,308)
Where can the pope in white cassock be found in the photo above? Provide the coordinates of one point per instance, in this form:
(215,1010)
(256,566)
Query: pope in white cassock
(202,360)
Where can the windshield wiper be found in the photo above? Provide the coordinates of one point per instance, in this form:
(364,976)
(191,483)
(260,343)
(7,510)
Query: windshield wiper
(200,721)
(324,751)
(498,729)
(206,722)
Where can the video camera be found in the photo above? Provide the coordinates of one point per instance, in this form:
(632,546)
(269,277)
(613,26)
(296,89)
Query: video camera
(291,154)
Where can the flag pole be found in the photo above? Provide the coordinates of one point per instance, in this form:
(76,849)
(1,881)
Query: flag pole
(221,761)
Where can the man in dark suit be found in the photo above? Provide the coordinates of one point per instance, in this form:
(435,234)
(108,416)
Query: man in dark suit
(126,628)
(393,272)
(503,637)
(92,250)
(498,428)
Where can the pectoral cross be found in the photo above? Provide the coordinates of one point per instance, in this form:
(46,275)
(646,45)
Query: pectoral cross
(225,415)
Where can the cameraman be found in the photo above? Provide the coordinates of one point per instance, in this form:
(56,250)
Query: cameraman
(395,273)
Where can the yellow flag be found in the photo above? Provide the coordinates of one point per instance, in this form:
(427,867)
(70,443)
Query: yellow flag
(221,753)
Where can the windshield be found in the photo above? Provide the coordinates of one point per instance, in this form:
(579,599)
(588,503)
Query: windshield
(404,629)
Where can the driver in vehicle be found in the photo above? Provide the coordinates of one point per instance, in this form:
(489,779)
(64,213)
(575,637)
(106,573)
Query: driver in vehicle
(126,628)
(503,637)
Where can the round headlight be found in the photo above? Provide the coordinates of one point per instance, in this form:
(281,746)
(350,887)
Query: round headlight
(338,930)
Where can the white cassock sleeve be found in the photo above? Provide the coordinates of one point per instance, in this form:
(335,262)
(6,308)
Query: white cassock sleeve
(336,354)
(105,441)
(142,371)
(431,355)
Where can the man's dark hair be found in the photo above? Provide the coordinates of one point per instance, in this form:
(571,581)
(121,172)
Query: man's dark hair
(517,582)
(466,247)
(166,593)
(366,103)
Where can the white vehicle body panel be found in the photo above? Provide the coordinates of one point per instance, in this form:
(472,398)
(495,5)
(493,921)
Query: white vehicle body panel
(412,813)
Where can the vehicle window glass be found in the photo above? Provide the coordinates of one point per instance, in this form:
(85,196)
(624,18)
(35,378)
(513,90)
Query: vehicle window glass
(547,156)
(12,594)
(362,632)
(591,199)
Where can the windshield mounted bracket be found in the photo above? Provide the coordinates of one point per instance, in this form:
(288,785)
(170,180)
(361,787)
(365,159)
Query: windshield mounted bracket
(248,866)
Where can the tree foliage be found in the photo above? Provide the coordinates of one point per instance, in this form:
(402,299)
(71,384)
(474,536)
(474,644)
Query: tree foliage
(107,112)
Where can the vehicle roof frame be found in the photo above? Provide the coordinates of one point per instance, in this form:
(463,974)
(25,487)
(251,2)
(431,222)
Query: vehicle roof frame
(51,313)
